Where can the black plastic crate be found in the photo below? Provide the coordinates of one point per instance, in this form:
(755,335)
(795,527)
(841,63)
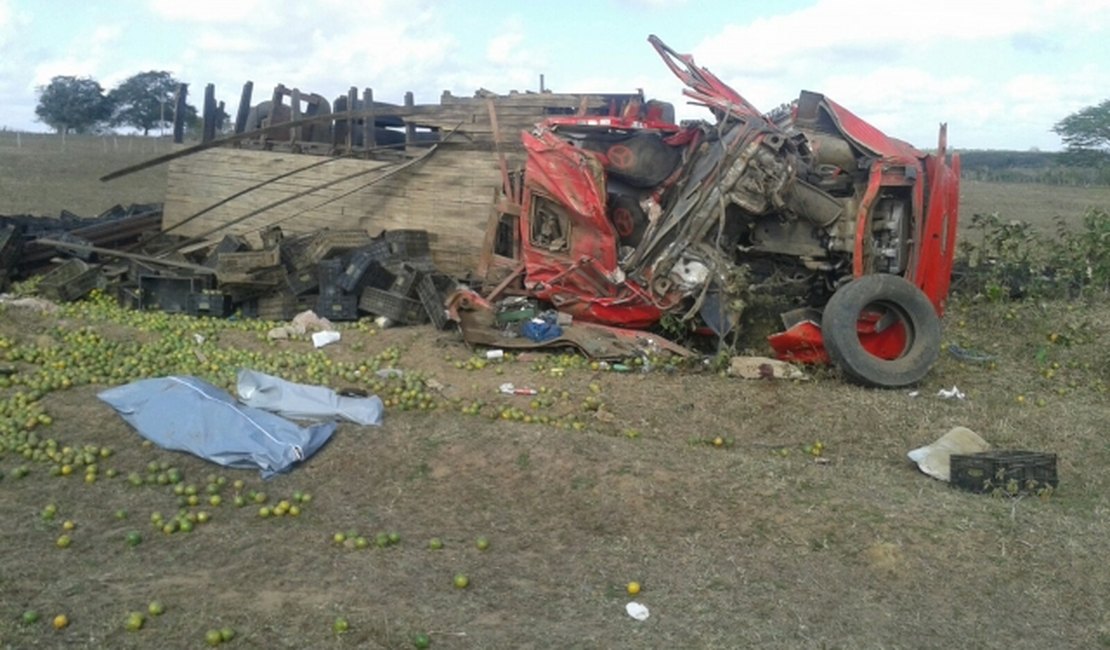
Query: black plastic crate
(327,274)
(392,306)
(293,252)
(424,264)
(247,260)
(359,261)
(409,244)
(1010,472)
(136,269)
(445,284)
(10,247)
(376,276)
(127,295)
(337,307)
(277,307)
(405,276)
(328,244)
(301,281)
(432,300)
(69,281)
(229,244)
(210,303)
(168,293)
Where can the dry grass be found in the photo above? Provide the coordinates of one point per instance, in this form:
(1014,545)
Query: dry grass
(739,546)
(736,547)
(1038,204)
(41,176)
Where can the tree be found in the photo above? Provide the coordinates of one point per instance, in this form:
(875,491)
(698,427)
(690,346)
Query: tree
(146,101)
(73,104)
(1087,135)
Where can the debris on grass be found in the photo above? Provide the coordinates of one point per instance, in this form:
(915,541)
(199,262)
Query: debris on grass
(637,611)
(933,459)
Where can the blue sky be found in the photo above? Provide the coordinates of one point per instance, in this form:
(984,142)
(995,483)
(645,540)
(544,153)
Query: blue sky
(1001,74)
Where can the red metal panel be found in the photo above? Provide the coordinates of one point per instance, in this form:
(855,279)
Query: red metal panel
(584,279)
(938,242)
(867,136)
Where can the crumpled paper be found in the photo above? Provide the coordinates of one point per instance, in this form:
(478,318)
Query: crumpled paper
(637,611)
(951,393)
(933,459)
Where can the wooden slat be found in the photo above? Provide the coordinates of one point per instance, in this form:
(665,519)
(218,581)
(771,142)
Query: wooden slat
(448,195)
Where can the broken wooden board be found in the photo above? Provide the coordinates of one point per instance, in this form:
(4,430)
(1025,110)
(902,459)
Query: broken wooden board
(448,195)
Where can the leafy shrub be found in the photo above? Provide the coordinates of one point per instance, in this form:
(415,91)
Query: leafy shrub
(1009,260)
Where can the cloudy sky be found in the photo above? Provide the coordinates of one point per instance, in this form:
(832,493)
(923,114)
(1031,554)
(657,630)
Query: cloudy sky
(1001,74)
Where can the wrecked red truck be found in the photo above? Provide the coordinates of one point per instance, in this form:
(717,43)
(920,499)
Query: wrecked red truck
(628,217)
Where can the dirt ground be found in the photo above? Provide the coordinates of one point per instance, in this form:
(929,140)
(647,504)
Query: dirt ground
(753,543)
(749,544)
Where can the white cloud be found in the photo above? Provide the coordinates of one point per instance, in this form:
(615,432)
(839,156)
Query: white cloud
(213,11)
(900,66)
(832,31)
(88,55)
(215,41)
(511,62)
(504,47)
(322,47)
(653,4)
(103,35)
(11,22)
(7,16)
(67,66)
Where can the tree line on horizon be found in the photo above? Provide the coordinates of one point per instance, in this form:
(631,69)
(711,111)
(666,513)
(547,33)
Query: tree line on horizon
(144,101)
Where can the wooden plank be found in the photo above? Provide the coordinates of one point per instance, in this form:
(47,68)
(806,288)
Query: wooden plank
(369,138)
(244,107)
(109,252)
(352,96)
(208,132)
(410,130)
(179,113)
(295,116)
(449,196)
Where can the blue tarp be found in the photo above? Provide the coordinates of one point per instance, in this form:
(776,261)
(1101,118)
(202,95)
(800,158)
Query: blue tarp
(189,414)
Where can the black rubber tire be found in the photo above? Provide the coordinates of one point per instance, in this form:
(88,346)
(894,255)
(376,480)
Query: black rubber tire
(628,218)
(899,297)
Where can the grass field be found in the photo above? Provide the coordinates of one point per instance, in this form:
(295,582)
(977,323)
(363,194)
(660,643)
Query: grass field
(1037,204)
(603,479)
(40,175)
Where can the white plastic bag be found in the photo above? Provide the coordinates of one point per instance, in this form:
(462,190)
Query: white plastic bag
(304,402)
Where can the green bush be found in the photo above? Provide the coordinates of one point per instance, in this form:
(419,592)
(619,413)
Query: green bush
(1009,260)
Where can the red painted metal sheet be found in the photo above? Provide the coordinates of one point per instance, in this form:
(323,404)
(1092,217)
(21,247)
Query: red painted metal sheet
(866,136)
(804,343)
(801,343)
(702,85)
(937,245)
(582,279)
